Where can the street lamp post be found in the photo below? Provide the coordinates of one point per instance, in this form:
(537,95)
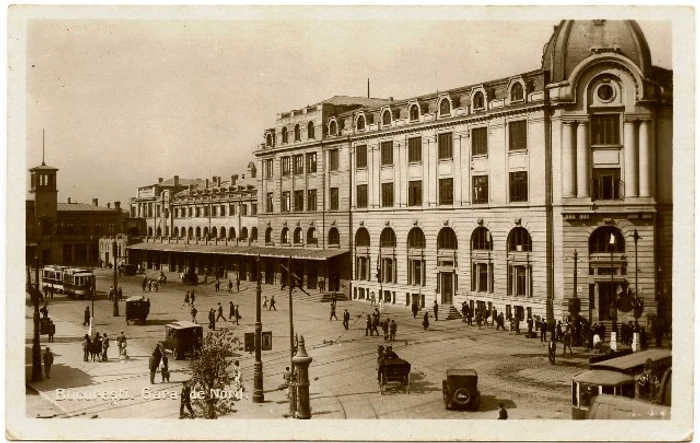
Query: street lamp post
(292,391)
(636,271)
(258,395)
(36,345)
(115,299)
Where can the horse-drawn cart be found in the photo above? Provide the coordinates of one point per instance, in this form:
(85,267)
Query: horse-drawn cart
(394,373)
(137,309)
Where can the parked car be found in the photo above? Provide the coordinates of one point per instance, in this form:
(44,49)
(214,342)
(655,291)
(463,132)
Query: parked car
(182,338)
(460,389)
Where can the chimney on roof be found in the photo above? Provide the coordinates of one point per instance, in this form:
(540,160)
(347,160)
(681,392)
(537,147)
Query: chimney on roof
(391,99)
(234,177)
(160,179)
(218,181)
(108,205)
(94,202)
(176,180)
(117,206)
(206,183)
(189,188)
(69,200)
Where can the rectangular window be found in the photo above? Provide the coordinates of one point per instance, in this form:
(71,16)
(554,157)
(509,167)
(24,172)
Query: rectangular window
(415,149)
(299,164)
(361,156)
(415,193)
(605,129)
(231,210)
(518,186)
(213,211)
(361,196)
(189,211)
(481,277)
(285,201)
(387,195)
(334,199)
(311,162)
(388,275)
(253,209)
(244,210)
(268,203)
(481,189)
(415,272)
(607,184)
(268,168)
(222,210)
(286,166)
(387,150)
(333,160)
(446,197)
(298,201)
(361,268)
(517,135)
(311,200)
(445,146)
(517,280)
(479,141)
(197,212)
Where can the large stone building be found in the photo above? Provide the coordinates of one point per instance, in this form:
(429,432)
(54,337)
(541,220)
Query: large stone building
(491,193)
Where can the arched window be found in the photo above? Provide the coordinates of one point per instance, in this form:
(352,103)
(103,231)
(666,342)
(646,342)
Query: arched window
(333,236)
(310,130)
(268,140)
(190,232)
(386,118)
(254,234)
(416,239)
(361,123)
(516,92)
(222,233)
(445,107)
(198,232)
(387,239)
(311,238)
(413,113)
(205,232)
(284,237)
(297,236)
(69,230)
(362,238)
(604,238)
(447,239)
(268,235)
(284,135)
(519,240)
(244,233)
(176,231)
(481,239)
(231,233)
(333,128)
(478,102)
(297,133)
(159,232)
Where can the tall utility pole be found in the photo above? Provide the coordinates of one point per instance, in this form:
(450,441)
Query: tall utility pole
(115,299)
(292,392)
(36,345)
(258,395)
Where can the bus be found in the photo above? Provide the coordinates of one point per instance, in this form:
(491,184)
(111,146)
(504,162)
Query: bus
(78,282)
(614,376)
(52,277)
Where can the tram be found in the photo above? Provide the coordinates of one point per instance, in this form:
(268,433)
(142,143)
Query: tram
(52,277)
(76,282)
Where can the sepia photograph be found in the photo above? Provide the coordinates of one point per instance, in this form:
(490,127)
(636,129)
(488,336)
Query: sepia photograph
(347,223)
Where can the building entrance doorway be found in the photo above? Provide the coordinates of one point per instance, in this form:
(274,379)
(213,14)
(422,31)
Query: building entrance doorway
(446,287)
(606,292)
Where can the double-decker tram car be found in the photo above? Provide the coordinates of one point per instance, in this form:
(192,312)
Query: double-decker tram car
(78,282)
(52,277)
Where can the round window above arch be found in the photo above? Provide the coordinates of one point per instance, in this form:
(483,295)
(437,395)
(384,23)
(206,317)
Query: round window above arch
(605,92)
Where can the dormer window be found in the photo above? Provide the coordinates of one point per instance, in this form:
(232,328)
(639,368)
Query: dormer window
(297,133)
(361,123)
(516,92)
(268,140)
(413,113)
(445,107)
(478,101)
(386,118)
(310,130)
(333,128)
(284,135)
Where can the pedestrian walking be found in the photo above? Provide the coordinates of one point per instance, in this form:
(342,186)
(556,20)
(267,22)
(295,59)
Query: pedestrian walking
(231,311)
(346,319)
(500,322)
(193,311)
(96,347)
(333,313)
(426,323)
(494,314)
(238,315)
(48,361)
(502,413)
(105,346)
(375,322)
(154,362)
(264,305)
(121,344)
(385,329)
(238,284)
(560,334)
(187,298)
(272,303)
(230,285)
(164,370)
(185,401)
(543,330)
(212,319)
(120,294)
(372,300)
(552,351)
(86,347)
(567,342)
(52,330)
(435,309)
(217,285)
(392,331)
(144,283)
(220,313)
(414,308)
(529,327)
(368,327)
(238,373)
(552,330)
(87,316)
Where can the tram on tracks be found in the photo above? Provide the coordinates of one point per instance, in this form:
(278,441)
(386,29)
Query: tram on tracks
(75,282)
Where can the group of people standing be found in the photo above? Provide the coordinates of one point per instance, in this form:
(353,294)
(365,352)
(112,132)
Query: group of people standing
(234,315)
(95,347)
(374,321)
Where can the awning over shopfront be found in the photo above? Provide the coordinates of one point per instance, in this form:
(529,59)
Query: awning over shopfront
(250,251)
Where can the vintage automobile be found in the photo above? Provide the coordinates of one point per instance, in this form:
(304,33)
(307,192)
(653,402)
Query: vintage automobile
(137,309)
(182,338)
(130,269)
(460,389)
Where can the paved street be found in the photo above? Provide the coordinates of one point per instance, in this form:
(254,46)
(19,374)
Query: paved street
(512,369)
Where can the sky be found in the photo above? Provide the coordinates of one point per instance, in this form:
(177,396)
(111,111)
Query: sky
(125,101)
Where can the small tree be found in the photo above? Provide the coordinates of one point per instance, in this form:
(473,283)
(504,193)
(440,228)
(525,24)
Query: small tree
(210,376)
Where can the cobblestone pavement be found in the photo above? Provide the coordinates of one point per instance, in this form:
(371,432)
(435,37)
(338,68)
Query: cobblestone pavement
(512,369)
